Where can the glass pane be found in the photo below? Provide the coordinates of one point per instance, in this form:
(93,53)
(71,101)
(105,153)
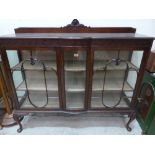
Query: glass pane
(111,86)
(39,86)
(75,74)
(110,99)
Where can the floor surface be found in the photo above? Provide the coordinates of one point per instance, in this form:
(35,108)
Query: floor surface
(73,125)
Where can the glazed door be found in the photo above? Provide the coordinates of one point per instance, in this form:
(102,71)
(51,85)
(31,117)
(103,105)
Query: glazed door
(37,82)
(110,85)
(75,76)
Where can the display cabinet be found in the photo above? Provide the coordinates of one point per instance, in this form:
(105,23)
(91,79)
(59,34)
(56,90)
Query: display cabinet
(75,69)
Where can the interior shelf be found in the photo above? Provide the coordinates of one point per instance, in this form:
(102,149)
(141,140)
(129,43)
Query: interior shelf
(100,65)
(97,102)
(111,85)
(52,86)
(75,100)
(38,85)
(76,86)
(49,65)
(37,100)
(73,66)
(110,99)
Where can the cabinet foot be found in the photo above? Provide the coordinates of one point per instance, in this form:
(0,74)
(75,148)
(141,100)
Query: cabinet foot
(132,117)
(20,129)
(17,119)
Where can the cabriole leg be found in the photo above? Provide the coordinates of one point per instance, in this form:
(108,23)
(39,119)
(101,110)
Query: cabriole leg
(16,118)
(132,117)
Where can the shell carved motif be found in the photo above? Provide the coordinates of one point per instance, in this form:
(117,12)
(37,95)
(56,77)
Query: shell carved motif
(75,24)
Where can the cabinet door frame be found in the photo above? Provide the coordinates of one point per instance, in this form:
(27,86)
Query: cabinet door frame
(61,76)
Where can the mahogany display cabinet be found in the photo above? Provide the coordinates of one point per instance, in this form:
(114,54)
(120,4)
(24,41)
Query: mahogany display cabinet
(76,69)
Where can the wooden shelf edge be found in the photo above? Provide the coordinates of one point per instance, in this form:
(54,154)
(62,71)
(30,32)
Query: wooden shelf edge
(49,67)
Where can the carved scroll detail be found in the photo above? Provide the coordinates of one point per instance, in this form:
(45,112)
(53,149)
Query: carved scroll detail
(75,23)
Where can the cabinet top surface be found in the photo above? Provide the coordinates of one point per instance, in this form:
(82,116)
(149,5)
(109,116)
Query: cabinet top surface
(75,36)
